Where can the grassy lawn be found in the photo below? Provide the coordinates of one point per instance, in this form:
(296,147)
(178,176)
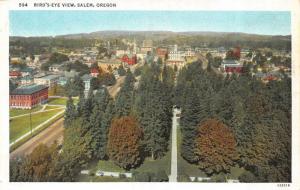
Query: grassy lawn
(16,112)
(154,166)
(21,125)
(61,101)
(235,172)
(57,101)
(148,165)
(87,178)
(108,166)
(53,107)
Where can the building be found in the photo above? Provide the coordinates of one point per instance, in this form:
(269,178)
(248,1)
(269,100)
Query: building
(129,59)
(48,80)
(27,72)
(62,81)
(231,66)
(121,52)
(189,52)
(26,80)
(27,97)
(14,74)
(147,46)
(109,64)
(162,53)
(176,57)
(87,84)
(94,72)
(55,68)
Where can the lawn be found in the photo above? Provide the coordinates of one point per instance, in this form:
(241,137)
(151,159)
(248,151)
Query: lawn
(16,112)
(57,101)
(61,101)
(108,166)
(53,107)
(21,125)
(88,178)
(154,166)
(148,165)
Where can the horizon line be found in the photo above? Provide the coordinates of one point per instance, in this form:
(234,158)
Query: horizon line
(192,31)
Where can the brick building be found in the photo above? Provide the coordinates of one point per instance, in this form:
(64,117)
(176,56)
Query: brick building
(130,59)
(27,97)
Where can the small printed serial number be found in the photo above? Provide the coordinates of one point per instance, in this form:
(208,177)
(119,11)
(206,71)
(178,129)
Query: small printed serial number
(283,185)
(23,5)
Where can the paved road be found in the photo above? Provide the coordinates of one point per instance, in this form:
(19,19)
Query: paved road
(47,136)
(173,176)
(113,90)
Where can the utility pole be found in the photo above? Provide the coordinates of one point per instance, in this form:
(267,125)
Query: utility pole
(30,122)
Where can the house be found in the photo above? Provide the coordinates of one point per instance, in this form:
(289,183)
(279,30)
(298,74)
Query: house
(27,97)
(62,81)
(162,53)
(27,71)
(121,52)
(94,72)
(55,68)
(26,80)
(48,80)
(231,66)
(129,59)
(14,74)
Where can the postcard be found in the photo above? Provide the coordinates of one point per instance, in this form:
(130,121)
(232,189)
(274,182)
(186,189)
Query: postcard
(194,95)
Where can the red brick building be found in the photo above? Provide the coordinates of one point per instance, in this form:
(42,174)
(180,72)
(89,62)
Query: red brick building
(27,97)
(129,59)
(234,68)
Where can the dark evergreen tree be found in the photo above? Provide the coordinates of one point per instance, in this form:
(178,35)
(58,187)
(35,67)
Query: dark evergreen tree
(70,113)
(124,99)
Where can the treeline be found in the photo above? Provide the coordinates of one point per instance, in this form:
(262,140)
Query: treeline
(230,40)
(20,46)
(125,130)
(237,120)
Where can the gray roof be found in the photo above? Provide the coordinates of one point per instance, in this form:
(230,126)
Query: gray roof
(27,77)
(27,90)
(229,61)
(49,77)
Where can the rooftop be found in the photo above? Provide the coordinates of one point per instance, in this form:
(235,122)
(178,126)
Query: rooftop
(49,77)
(86,77)
(27,90)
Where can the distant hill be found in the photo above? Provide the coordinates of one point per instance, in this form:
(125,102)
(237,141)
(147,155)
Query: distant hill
(192,38)
(159,35)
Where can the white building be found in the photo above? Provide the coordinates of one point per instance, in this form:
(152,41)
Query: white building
(48,80)
(55,68)
(176,57)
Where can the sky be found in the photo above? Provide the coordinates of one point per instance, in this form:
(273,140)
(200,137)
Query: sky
(52,23)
